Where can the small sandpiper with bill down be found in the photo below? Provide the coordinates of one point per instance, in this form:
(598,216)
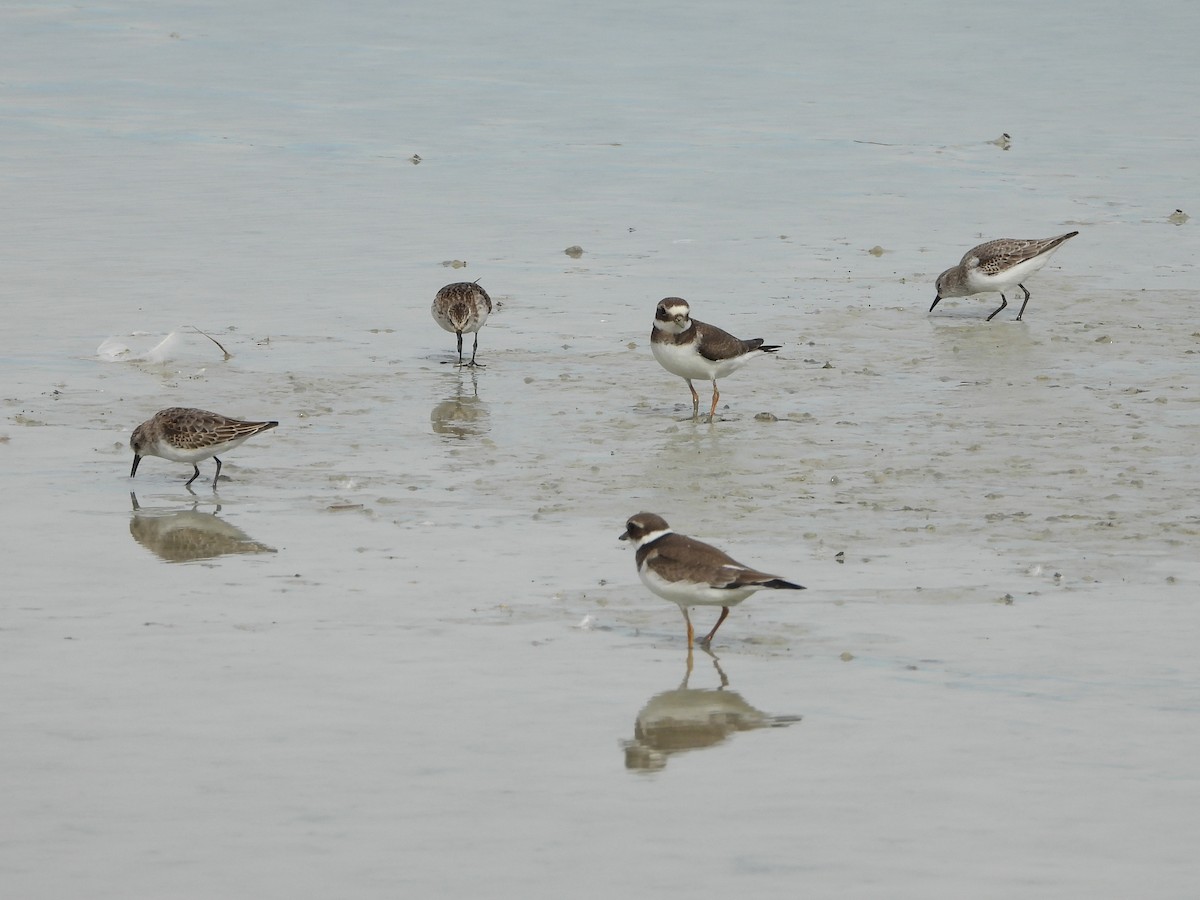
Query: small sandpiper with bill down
(188,435)
(996,266)
(461,308)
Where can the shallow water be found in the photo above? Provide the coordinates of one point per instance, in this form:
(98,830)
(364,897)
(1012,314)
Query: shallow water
(401,649)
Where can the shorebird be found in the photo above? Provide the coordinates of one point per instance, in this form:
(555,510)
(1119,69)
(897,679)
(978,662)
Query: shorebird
(462,307)
(692,349)
(190,436)
(996,266)
(691,573)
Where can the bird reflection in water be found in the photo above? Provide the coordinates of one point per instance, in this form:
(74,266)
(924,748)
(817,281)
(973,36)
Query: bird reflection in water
(691,719)
(463,415)
(188,534)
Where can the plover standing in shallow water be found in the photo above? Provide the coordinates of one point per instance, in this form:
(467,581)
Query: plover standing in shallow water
(692,349)
(996,266)
(462,307)
(190,436)
(691,573)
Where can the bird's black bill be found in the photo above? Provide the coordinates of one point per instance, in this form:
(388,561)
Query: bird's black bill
(136,459)
(936,301)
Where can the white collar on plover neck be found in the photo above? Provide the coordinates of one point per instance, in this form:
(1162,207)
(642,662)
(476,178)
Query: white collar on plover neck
(652,536)
(644,528)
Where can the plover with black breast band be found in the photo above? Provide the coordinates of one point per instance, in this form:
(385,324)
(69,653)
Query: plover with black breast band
(692,349)
(692,573)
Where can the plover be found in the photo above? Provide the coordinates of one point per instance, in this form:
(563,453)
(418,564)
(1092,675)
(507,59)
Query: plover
(190,436)
(462,307)
(996,266)
(692,349)
(691,573)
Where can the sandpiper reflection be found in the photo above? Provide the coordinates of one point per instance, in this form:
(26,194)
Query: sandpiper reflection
(188,534)
(687,718)
(463,415)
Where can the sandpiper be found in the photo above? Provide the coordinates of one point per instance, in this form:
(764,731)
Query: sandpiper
(462,307)
(188,435)
(996,266)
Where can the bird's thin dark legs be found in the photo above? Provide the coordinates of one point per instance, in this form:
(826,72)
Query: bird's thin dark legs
(217,477)
(1003,303)
(195,474)
(475,349)
(1022,312)
(472,364)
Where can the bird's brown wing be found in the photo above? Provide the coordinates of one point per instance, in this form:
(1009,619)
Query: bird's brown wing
(680,558)
(201,428)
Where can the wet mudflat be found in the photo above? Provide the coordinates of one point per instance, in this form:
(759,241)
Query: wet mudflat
(401,649)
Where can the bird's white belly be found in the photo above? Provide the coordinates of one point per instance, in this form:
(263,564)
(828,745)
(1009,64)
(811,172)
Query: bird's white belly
(981,283)
(687,593)
(473,323)
(476,321)
(166,450)
(683,360)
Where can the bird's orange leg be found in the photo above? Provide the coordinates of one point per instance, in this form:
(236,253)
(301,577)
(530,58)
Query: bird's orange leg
(695,399)
(708,638)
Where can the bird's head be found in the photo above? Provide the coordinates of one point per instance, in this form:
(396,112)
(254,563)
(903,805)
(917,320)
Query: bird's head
(673,315)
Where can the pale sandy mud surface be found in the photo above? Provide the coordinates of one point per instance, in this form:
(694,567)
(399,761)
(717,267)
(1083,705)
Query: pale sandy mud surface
(401,651)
